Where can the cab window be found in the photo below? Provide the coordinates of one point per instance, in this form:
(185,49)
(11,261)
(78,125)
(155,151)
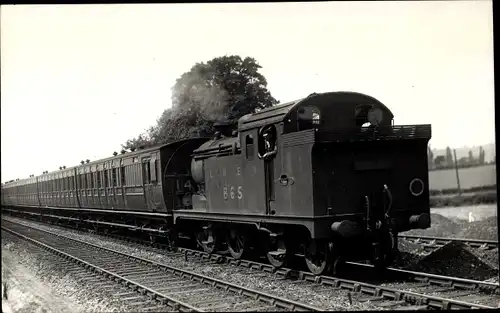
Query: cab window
(308,117)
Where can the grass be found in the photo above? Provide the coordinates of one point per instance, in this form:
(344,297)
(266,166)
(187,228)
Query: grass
(472,177)
(489,197)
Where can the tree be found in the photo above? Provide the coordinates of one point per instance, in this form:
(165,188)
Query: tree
(439,161)
(223,89)
(220,90)
(430,158)
(481,155)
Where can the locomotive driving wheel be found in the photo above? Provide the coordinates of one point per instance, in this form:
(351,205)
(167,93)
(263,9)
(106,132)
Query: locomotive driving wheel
(318,256)
(236,243)
(278,254)
(206,238)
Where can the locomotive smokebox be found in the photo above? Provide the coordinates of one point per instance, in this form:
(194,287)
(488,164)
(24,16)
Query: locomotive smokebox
(346,228)
(198,171)
(421,221)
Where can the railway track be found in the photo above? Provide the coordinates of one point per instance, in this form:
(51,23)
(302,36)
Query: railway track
(163,285)
(418,290)
(432,243)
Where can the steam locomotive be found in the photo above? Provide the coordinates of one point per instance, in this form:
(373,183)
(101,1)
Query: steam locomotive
(326,178)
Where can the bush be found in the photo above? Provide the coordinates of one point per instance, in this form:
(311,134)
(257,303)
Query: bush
(462,200)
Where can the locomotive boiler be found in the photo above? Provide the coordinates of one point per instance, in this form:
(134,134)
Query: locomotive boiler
(326,178)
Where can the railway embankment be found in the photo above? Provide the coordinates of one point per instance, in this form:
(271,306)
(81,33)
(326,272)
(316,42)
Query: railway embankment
(455,259)
(456,227)
(32,282)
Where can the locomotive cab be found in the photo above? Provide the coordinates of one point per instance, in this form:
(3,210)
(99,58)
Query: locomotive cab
(370,176)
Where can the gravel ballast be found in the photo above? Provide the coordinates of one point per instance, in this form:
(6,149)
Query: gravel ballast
(51,289)
(451,260)
(313,294)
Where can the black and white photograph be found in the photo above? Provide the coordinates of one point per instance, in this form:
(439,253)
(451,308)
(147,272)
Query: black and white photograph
(248,157)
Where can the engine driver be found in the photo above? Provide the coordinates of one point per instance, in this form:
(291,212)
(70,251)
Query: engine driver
(270,147)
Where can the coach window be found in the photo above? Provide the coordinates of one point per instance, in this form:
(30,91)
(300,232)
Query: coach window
(113,176)
(98,173)
(123,176)
(106,178)
(86,178)
(152,170)
(91,174)
(249,147)
(146,172)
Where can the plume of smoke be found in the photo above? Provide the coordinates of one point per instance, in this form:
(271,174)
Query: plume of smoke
(213,102)
(199,93)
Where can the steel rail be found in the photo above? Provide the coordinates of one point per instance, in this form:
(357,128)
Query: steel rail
(255,294)
(436,242)
(175,304)
(427,241)
(361,287)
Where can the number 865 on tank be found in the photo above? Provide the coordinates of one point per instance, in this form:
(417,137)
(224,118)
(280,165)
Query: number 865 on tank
(232,192)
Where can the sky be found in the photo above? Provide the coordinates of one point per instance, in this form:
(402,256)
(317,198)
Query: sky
(77,81)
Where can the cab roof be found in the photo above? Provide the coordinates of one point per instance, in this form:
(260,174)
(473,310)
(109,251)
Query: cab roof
(279,113)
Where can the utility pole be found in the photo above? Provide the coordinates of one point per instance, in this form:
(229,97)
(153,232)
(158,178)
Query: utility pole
(456,171)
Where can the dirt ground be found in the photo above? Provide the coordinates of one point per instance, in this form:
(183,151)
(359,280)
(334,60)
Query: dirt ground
(477,212)
(454,223)
(456,259)
(24,292)
(36,283)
